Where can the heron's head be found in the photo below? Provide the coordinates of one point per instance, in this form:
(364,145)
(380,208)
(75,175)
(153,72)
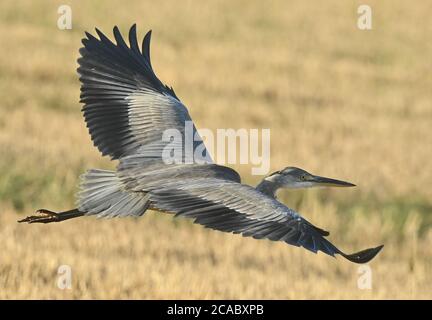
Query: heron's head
(292,177)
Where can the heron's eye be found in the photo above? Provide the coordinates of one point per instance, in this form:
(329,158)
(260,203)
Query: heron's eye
(303,177)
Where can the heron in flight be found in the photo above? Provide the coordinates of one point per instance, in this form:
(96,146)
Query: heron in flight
(127,109)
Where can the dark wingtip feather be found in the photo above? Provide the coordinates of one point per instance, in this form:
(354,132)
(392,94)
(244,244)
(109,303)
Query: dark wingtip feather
(90,37)
(322,232)
(132,30)
(118,37)
(146,46)
(363,256)
(133,39)
(104,38)
(98,31)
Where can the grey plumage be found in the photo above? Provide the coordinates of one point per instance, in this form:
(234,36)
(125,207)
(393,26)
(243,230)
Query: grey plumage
(127,109)
(102,193)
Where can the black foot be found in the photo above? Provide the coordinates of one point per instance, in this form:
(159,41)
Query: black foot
(42,216)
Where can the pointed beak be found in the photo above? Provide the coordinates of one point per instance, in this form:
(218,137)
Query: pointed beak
(328,182)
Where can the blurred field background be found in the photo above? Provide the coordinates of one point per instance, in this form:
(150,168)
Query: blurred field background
(340,102)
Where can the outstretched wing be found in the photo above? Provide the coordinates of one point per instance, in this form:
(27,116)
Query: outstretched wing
(126,107)
(213,197)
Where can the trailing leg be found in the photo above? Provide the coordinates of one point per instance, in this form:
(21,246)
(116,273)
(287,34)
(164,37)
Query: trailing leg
(47,216)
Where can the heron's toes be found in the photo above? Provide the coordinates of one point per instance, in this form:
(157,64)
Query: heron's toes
(45,212)
(42,216)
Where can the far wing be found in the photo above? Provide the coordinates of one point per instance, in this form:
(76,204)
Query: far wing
(126,107)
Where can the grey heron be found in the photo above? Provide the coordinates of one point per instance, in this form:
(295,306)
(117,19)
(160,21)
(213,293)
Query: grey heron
(127,109)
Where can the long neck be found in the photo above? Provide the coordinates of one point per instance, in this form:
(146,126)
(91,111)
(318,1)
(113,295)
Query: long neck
(268,187)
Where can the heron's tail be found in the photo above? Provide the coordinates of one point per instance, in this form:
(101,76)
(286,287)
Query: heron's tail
(102,193)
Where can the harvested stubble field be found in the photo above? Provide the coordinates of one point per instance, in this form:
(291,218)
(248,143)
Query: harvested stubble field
(339,101)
